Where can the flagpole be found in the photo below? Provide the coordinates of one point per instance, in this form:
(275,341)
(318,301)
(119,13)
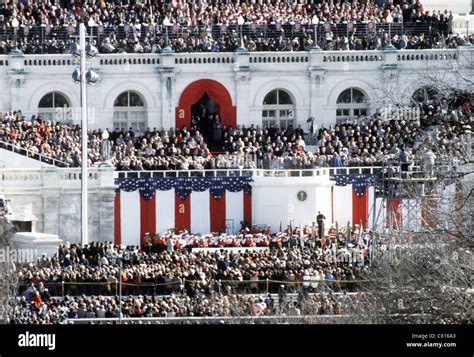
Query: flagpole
(84,172)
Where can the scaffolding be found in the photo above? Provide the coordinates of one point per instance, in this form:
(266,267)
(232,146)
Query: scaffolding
(405,203)
(415,202)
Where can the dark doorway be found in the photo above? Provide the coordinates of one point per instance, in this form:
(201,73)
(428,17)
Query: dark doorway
(203,114)
(23,226)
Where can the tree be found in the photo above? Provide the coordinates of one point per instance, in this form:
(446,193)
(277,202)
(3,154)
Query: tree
(9,281)
(425,276)
(7,230)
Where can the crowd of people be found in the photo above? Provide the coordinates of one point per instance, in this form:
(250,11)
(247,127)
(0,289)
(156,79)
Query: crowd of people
(56,310)
(95,269)
(213,26)
(174,149)
(370,142)
(169,280)
(379,141)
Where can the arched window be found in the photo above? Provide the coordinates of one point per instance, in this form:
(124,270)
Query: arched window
(49,107)
(351,104)
(130,111)
(278,109)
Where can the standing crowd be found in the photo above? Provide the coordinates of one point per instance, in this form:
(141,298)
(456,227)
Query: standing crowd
(136,26)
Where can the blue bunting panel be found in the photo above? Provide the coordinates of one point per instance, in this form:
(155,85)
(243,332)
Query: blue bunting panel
(185,185)
(359,181)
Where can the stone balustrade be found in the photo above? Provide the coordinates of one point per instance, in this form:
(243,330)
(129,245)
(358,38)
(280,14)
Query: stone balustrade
(53,176)
(313,79)
(255,59)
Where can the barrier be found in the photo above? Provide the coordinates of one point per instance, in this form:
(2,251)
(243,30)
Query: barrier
(269,286)
(33,155)
(322,319)
(314,172)
(251,31)
(231,249)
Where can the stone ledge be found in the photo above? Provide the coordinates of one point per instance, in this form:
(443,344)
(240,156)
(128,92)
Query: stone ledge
(41,243)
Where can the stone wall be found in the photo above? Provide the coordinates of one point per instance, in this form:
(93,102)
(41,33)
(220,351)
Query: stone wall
(51,199)
(314,80)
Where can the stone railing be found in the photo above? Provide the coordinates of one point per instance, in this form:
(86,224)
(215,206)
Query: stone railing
(427,55)
(352,56)
(50,197)
(128,59)
(222,58)
(54,177)
(20,177)
(278,57)
(48,61)
(321,59)
(33,155)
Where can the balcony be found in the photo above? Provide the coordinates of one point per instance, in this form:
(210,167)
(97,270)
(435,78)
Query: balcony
(328,60)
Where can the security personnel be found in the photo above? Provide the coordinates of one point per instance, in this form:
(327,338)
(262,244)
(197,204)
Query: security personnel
(320,221)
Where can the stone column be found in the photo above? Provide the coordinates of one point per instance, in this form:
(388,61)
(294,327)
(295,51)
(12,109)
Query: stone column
(316,74)
(106,205)
(167,73)
(17,83)
(94,215)
(70,215)
(106,215)
(242,87)
(51,211)
(51,201)
(242,99)
(316,91)
(16,80)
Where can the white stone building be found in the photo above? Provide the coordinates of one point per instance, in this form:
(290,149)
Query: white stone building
(151,90)
(160,91)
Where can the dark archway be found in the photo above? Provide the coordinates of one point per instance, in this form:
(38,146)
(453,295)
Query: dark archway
(203,114)
(216,92)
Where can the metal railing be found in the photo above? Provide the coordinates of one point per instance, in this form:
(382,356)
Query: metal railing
(39,36)
(32,155)
(214,320)
(440,166)
(322,171)
(247,287)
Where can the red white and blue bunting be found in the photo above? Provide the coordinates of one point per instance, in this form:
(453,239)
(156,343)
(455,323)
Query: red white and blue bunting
(183,186)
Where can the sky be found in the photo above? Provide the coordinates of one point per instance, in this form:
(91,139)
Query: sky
(457,6)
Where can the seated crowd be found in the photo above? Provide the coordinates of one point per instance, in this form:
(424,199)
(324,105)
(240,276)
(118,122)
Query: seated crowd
(173,265)
(365,142)
(201,283)
(174,149)
(135,26)
(378,140)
